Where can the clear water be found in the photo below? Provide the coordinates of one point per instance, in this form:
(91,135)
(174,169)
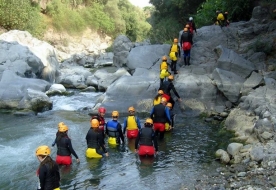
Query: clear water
(184,155)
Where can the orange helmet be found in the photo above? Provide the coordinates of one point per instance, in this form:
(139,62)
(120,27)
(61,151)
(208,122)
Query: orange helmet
(187,26)
(185,30)
(169,105)
(94,123)
(175,40)
(161,92)
(164,58)
(163,99)
(170,77)
(149,121)
(115,114)
(131,109)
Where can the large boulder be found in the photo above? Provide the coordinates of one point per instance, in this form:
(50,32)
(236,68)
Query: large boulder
(121,48)
(22,93)
(231,61)
(42,50)
(228,83)
(147,56)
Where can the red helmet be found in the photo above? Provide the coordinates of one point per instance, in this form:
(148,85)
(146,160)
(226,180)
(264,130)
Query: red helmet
(101,110)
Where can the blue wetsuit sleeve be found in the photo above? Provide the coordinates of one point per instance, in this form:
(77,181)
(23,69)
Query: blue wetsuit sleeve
(151,113)
(69,144)
(168,115)
(138,122)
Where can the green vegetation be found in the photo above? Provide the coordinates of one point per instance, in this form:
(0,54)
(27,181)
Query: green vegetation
(21,15)
(111,17)
(160,23)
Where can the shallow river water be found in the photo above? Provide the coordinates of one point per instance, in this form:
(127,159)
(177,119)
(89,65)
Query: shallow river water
(184,154)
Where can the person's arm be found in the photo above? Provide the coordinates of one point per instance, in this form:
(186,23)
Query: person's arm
(100,141)
(138,122)
(174,91)
(170,50)
(119,128)
(69,144)
(42,176)
(151,113)
(137,141)
(154,139)
(167,111)
(178,51)
(125,126)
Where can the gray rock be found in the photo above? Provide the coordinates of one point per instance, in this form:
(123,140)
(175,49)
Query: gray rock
(257,154)
(234,148)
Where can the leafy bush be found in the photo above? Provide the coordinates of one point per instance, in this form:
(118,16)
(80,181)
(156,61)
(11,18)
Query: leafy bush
(65,19)
(21,15)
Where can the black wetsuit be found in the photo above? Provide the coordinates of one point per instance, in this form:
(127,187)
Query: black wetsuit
(94,140)
(146,137)
(167,86)
(65,147)
(48,177)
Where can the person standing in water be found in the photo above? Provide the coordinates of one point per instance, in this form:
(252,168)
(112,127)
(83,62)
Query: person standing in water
(48,171)
(114,130)
(131,124)
(64,146)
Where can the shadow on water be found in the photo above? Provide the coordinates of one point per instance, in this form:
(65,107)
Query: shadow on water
(184,154)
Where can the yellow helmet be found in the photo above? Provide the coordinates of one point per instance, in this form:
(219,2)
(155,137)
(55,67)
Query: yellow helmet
(115,114)
(175,40)
(131,109)
(164,58)
(163,99)
(62,128)
(170,77)
(169,105)
(185,30)
(149,121)
(161,92)
(94,123)
(43,150)
(60,124)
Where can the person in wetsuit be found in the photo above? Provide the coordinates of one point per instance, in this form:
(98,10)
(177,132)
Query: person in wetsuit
(114,130)
(64,146)
(146,140)
(48,171)
(160,115)
(131,124)
(167,86)
(100,118)
(94,140)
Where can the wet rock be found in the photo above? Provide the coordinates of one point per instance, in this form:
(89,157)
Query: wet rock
(234,148)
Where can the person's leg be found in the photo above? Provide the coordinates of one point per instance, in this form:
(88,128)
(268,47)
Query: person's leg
(189,56)
(161,82)
(173,66)
(161,136)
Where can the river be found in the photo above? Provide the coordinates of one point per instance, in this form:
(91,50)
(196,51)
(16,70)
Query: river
(184,154)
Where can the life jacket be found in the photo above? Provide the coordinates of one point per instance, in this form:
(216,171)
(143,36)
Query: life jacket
(52,176)
(112,128)
(159,113)
(92,141)
(155,102)
(164,73)
(186,46)
(62,146)
(164,65)
(174,48)
(220,17)
(132,122)
(146,136)
(165,87)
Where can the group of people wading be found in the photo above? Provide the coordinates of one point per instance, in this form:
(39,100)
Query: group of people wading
(146,137)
